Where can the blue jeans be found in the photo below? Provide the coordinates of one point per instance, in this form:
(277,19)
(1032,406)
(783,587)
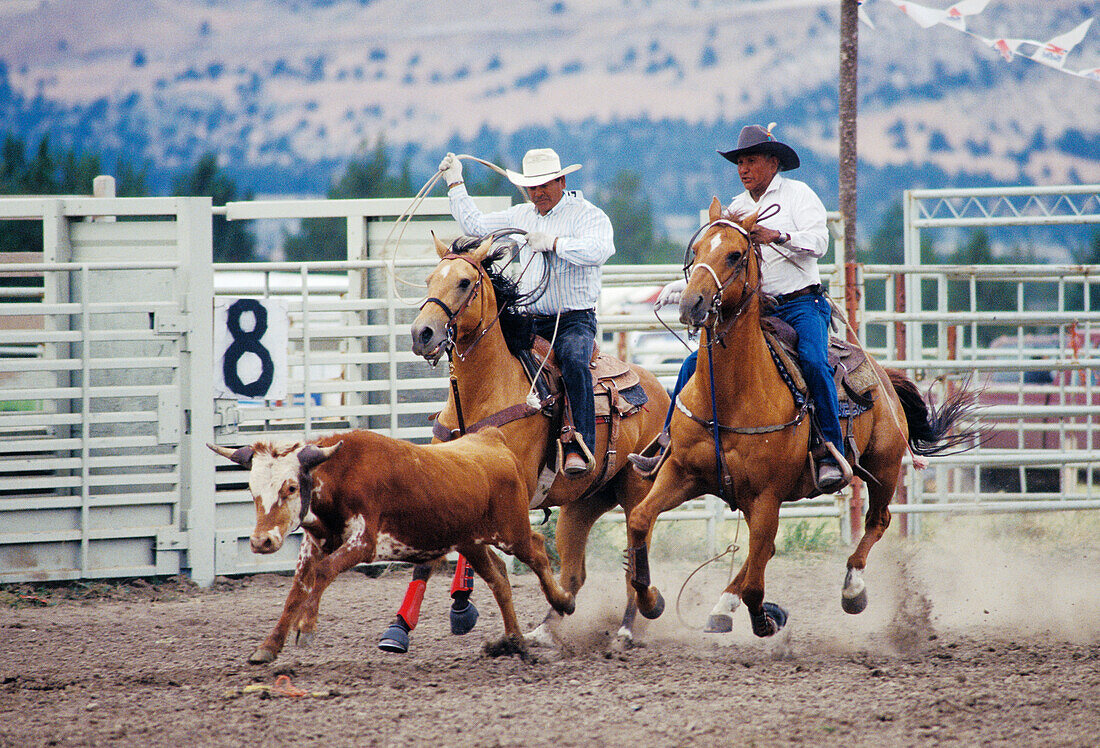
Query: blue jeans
(573,347)
(809,316)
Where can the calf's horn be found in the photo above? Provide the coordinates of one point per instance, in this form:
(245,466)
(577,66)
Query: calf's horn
(241,455)
(310,456)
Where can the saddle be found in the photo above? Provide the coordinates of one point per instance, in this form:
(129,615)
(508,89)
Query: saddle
(852,371)
(617,393)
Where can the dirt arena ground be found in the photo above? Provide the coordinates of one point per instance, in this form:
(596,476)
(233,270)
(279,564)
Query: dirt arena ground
(992,643)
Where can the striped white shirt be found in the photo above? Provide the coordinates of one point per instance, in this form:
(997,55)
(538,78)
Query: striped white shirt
(791,266)
(585,243)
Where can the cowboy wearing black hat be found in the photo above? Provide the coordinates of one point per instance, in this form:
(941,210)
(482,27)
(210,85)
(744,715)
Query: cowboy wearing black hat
(791,242)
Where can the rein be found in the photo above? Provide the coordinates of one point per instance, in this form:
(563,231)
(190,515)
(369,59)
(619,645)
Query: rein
(716,331)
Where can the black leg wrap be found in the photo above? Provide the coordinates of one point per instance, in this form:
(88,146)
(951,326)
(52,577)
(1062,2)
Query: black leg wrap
(637,564)
(771,619)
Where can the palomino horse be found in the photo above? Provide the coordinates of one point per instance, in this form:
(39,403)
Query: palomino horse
(737,406)
(490,380)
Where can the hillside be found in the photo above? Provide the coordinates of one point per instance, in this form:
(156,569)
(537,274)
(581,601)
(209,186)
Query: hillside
(286,90)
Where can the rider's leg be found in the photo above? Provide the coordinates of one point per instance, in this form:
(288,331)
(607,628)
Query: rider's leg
(573,346)
(809,316)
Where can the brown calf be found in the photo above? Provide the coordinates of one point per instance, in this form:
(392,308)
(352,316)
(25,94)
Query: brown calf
(362,496)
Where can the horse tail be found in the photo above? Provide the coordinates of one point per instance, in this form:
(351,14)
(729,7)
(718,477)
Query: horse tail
(930,428)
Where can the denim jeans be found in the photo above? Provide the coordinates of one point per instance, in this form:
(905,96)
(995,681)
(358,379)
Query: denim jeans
(573,347)
(809,315)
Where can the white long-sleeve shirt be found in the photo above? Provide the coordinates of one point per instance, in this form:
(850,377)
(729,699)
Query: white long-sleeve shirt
(791,266)
(585,243)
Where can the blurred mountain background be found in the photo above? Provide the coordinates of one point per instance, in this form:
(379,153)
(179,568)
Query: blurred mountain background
(341,97)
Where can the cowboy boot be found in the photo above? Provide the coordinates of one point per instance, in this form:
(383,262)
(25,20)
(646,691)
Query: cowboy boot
(650,458)
(833,472)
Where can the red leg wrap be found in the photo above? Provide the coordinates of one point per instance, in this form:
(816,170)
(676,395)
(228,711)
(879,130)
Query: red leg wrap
(410,608)
(464,577)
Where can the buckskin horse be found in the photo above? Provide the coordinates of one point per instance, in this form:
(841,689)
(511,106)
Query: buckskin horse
(741,432)
(475,319)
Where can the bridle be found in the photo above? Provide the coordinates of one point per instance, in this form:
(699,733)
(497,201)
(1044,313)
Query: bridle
(724,479)
(452,315)
(714,312)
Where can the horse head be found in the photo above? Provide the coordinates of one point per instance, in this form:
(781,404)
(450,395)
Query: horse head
(460,296)
(722,269)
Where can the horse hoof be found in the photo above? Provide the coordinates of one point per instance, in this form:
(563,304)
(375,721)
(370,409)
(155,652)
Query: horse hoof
(770,622)
(540,637)
(395,639)
(304,639)
(854,604)
(777,613)
(464,620)
(507,647)
(719,624)
(261,656)
(657,609)
(853,595)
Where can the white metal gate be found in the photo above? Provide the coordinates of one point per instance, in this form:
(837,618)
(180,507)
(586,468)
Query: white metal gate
(102,468)
(106,361)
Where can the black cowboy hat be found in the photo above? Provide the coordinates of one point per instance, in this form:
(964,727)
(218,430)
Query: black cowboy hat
(757,139)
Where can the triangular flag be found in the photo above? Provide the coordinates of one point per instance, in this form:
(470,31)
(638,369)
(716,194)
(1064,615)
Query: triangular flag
(1053,53)
(955,16)
(925,17)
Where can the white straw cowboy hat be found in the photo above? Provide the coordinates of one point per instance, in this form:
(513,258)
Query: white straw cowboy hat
(757,139)
(540,165)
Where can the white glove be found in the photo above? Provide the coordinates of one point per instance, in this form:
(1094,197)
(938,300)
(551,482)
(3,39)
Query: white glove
(451,168)
(540,242)
(670,294)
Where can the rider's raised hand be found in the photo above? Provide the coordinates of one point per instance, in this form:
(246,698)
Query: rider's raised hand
(670,294)
(451,168)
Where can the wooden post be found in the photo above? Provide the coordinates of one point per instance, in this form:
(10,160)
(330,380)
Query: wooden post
(848,105)
(901,496)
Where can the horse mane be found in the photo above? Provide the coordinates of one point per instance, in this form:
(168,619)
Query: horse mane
(517,327)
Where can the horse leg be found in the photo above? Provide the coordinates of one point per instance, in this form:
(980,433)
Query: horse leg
(463,612)
(531,550)
(720,620)
(575,522)
(853,596)
(763,521)
(396,637)
(670,489)
(495,573)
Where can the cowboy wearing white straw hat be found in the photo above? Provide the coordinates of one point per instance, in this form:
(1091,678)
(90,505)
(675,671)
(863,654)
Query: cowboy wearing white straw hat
(791,242)
(571,238)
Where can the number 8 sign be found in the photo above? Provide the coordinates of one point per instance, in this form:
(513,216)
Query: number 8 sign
(250,348)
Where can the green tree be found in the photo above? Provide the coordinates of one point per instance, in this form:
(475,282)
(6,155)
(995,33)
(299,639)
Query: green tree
(628,206)
(51,172)
(233,240)
(365,177)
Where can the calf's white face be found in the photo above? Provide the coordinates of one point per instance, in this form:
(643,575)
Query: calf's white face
(276,491)
(277,479)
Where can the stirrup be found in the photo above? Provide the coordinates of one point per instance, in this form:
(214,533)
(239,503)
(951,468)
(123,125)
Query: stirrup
(647,462)
(841,465)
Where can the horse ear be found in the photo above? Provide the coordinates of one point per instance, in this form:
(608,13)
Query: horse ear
(749,221)
(441,249)
(715,210)
(478,255)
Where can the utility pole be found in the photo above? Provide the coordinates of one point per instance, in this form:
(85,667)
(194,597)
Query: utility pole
(848,105)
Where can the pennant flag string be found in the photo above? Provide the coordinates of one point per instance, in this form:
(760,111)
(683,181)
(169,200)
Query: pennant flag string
(1052,53)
